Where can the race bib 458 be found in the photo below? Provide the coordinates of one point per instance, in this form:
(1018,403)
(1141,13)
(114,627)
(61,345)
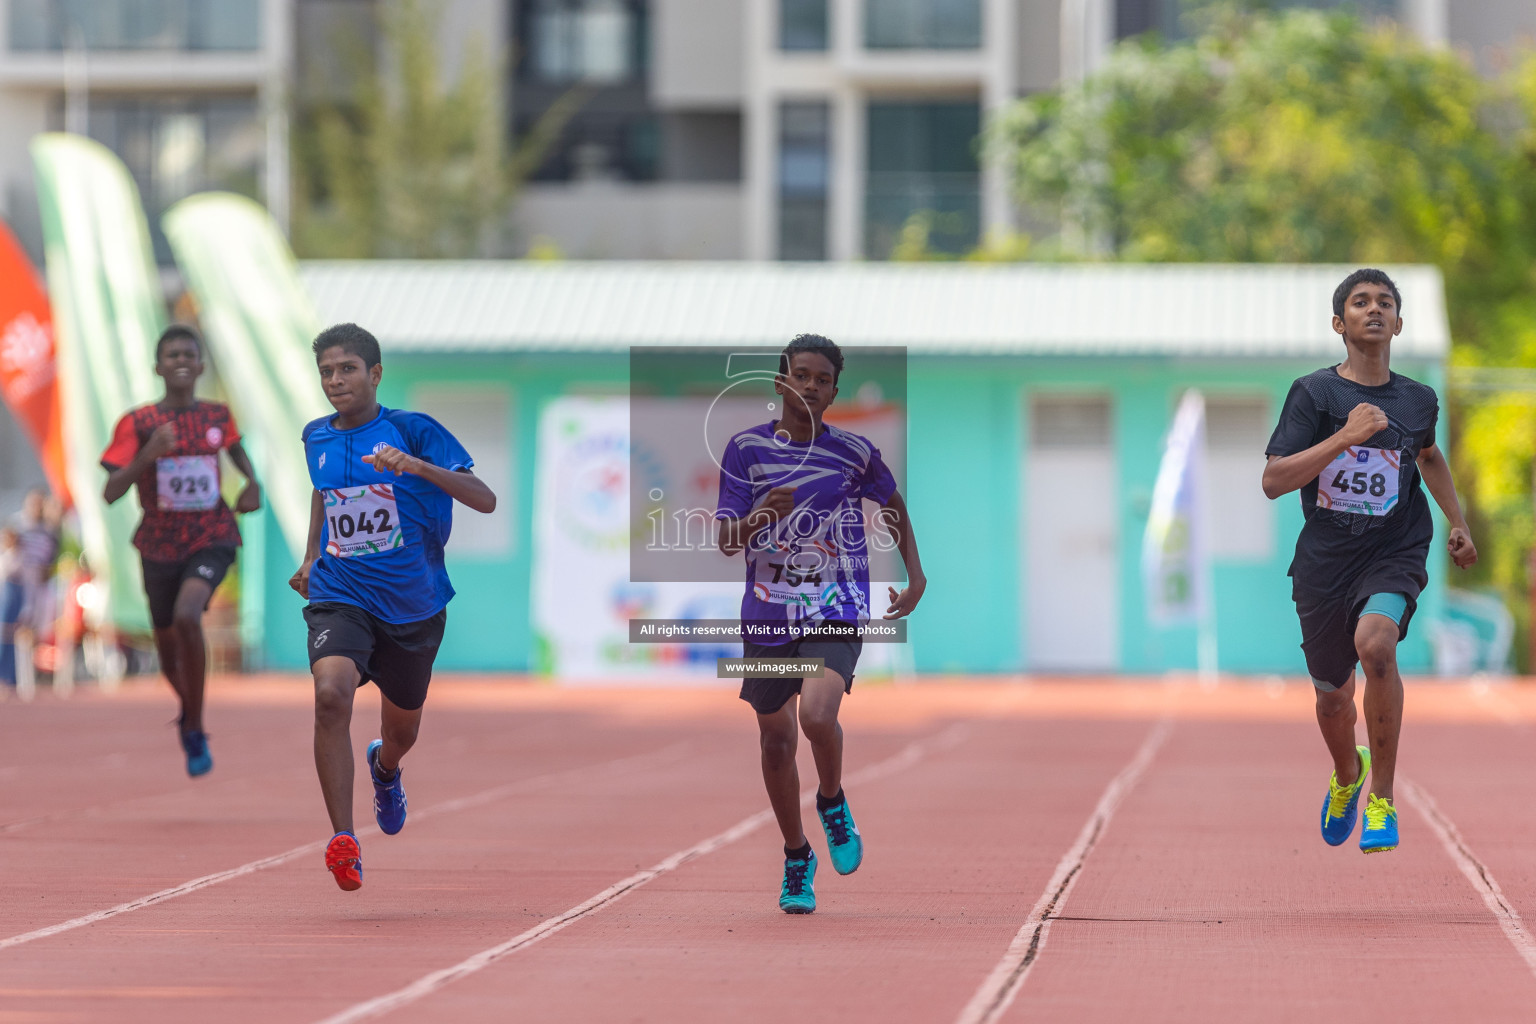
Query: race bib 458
(362,520)
(1362,481)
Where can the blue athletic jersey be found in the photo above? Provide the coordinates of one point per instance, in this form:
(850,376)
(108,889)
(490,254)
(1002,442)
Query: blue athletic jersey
(381,543)
(814,564)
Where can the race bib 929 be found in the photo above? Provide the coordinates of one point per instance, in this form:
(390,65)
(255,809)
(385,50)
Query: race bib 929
(187,483)
(1361,481)
(362,521)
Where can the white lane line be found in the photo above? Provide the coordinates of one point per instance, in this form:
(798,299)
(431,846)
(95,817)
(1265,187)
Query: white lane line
(427,984)
(997,992)
(672,752)
(1476,871)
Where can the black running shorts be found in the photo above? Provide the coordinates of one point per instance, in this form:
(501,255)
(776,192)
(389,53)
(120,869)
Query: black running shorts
(163,580)
(1328,622)
(768,694)
(396,657)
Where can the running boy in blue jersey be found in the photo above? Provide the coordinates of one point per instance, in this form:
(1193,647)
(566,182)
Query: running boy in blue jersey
(1357,440)
(790,497)
(385,483)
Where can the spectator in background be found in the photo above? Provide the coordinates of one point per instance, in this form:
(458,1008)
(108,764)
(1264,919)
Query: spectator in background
(10,603)
(36,528)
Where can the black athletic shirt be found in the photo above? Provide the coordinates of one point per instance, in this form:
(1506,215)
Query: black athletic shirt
(1335,548)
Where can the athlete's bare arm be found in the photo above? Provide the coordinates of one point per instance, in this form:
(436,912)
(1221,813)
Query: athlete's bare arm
(737,533)
(1437,477)
(1286,473)
(300,579)
(124,477)
(250,494)
(461,485)
(893,514)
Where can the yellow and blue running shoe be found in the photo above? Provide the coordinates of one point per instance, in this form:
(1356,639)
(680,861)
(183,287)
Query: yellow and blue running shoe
(797,896)
(1379,834)
(1340,804)
(844,844)
(388,797)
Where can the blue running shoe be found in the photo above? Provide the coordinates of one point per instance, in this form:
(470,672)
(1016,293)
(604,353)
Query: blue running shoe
(1379,834)
(797,896)
(199,761)
(388,797)
(1340,804)
(844,844)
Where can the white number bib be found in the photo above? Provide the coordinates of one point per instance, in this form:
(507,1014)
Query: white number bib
(187,483)
(1362,481)
(806,576)
(362,521)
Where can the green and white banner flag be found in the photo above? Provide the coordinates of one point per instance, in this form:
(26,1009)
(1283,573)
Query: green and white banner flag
(1173,553)
(259,324)
(108,311)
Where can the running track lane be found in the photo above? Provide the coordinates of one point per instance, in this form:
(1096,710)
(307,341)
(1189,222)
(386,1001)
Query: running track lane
(1213,898)
(957,846)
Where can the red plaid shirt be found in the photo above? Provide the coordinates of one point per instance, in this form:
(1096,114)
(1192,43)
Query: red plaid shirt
(204,429)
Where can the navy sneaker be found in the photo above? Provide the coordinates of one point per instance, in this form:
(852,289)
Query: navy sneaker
(199,761)
(844,844)
(388,797)
(797,896)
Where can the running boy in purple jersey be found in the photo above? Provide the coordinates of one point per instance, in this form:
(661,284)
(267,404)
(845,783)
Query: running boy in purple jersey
(790,497)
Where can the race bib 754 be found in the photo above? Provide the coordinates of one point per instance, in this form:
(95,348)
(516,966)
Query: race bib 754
(1361,481)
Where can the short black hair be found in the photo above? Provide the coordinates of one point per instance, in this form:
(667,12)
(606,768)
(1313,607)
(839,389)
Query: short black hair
(351,339)
(176,332)
(812,343)
(1365,275)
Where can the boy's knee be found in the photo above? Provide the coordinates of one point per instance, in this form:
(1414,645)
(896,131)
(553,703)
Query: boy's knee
(1377,649)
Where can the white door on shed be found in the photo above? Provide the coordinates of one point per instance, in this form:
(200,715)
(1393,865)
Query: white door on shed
(1071,504)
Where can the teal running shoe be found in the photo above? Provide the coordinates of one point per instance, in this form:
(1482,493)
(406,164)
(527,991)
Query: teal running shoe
(1340,805)
(797,896)
(1379,835)
(388,797)
(195,745)
(844,844)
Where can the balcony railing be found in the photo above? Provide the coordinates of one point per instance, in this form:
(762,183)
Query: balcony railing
(135,25)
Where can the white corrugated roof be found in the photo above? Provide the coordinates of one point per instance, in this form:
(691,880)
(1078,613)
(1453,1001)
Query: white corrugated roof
(1031,309)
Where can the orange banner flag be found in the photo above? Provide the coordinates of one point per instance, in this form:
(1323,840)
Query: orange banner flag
(28,380)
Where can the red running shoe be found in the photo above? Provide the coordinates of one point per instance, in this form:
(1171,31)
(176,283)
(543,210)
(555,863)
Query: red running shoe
(344,860)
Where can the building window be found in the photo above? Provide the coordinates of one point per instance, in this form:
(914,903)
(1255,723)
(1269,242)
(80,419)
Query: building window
(803,25)
(596,41)
(1134,17)
(805,133)
(135,24)
(922,24)
(922,170)
(174,147)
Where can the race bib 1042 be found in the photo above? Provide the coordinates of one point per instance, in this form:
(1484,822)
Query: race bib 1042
(362,521)
(1362,481)
(187,483)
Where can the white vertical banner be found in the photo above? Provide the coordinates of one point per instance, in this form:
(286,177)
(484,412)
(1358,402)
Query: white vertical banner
(1174,560)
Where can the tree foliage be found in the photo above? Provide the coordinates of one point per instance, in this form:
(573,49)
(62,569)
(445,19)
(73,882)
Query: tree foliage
(409,165)
(1307,137)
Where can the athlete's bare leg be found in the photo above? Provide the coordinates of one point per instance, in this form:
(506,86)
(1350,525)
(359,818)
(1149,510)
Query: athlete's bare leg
(191,652)
(336,683)
(1336,719)
(779,736)
(820,700)
(397,728)
(1376,643)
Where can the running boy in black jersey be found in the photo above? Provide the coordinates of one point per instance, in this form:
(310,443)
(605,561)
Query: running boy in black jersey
(170,450)
(1356,439)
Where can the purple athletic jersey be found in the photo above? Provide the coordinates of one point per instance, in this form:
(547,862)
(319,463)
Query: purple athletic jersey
(814,564)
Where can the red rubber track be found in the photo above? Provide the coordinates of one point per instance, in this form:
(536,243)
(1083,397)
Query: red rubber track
(1206,896)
